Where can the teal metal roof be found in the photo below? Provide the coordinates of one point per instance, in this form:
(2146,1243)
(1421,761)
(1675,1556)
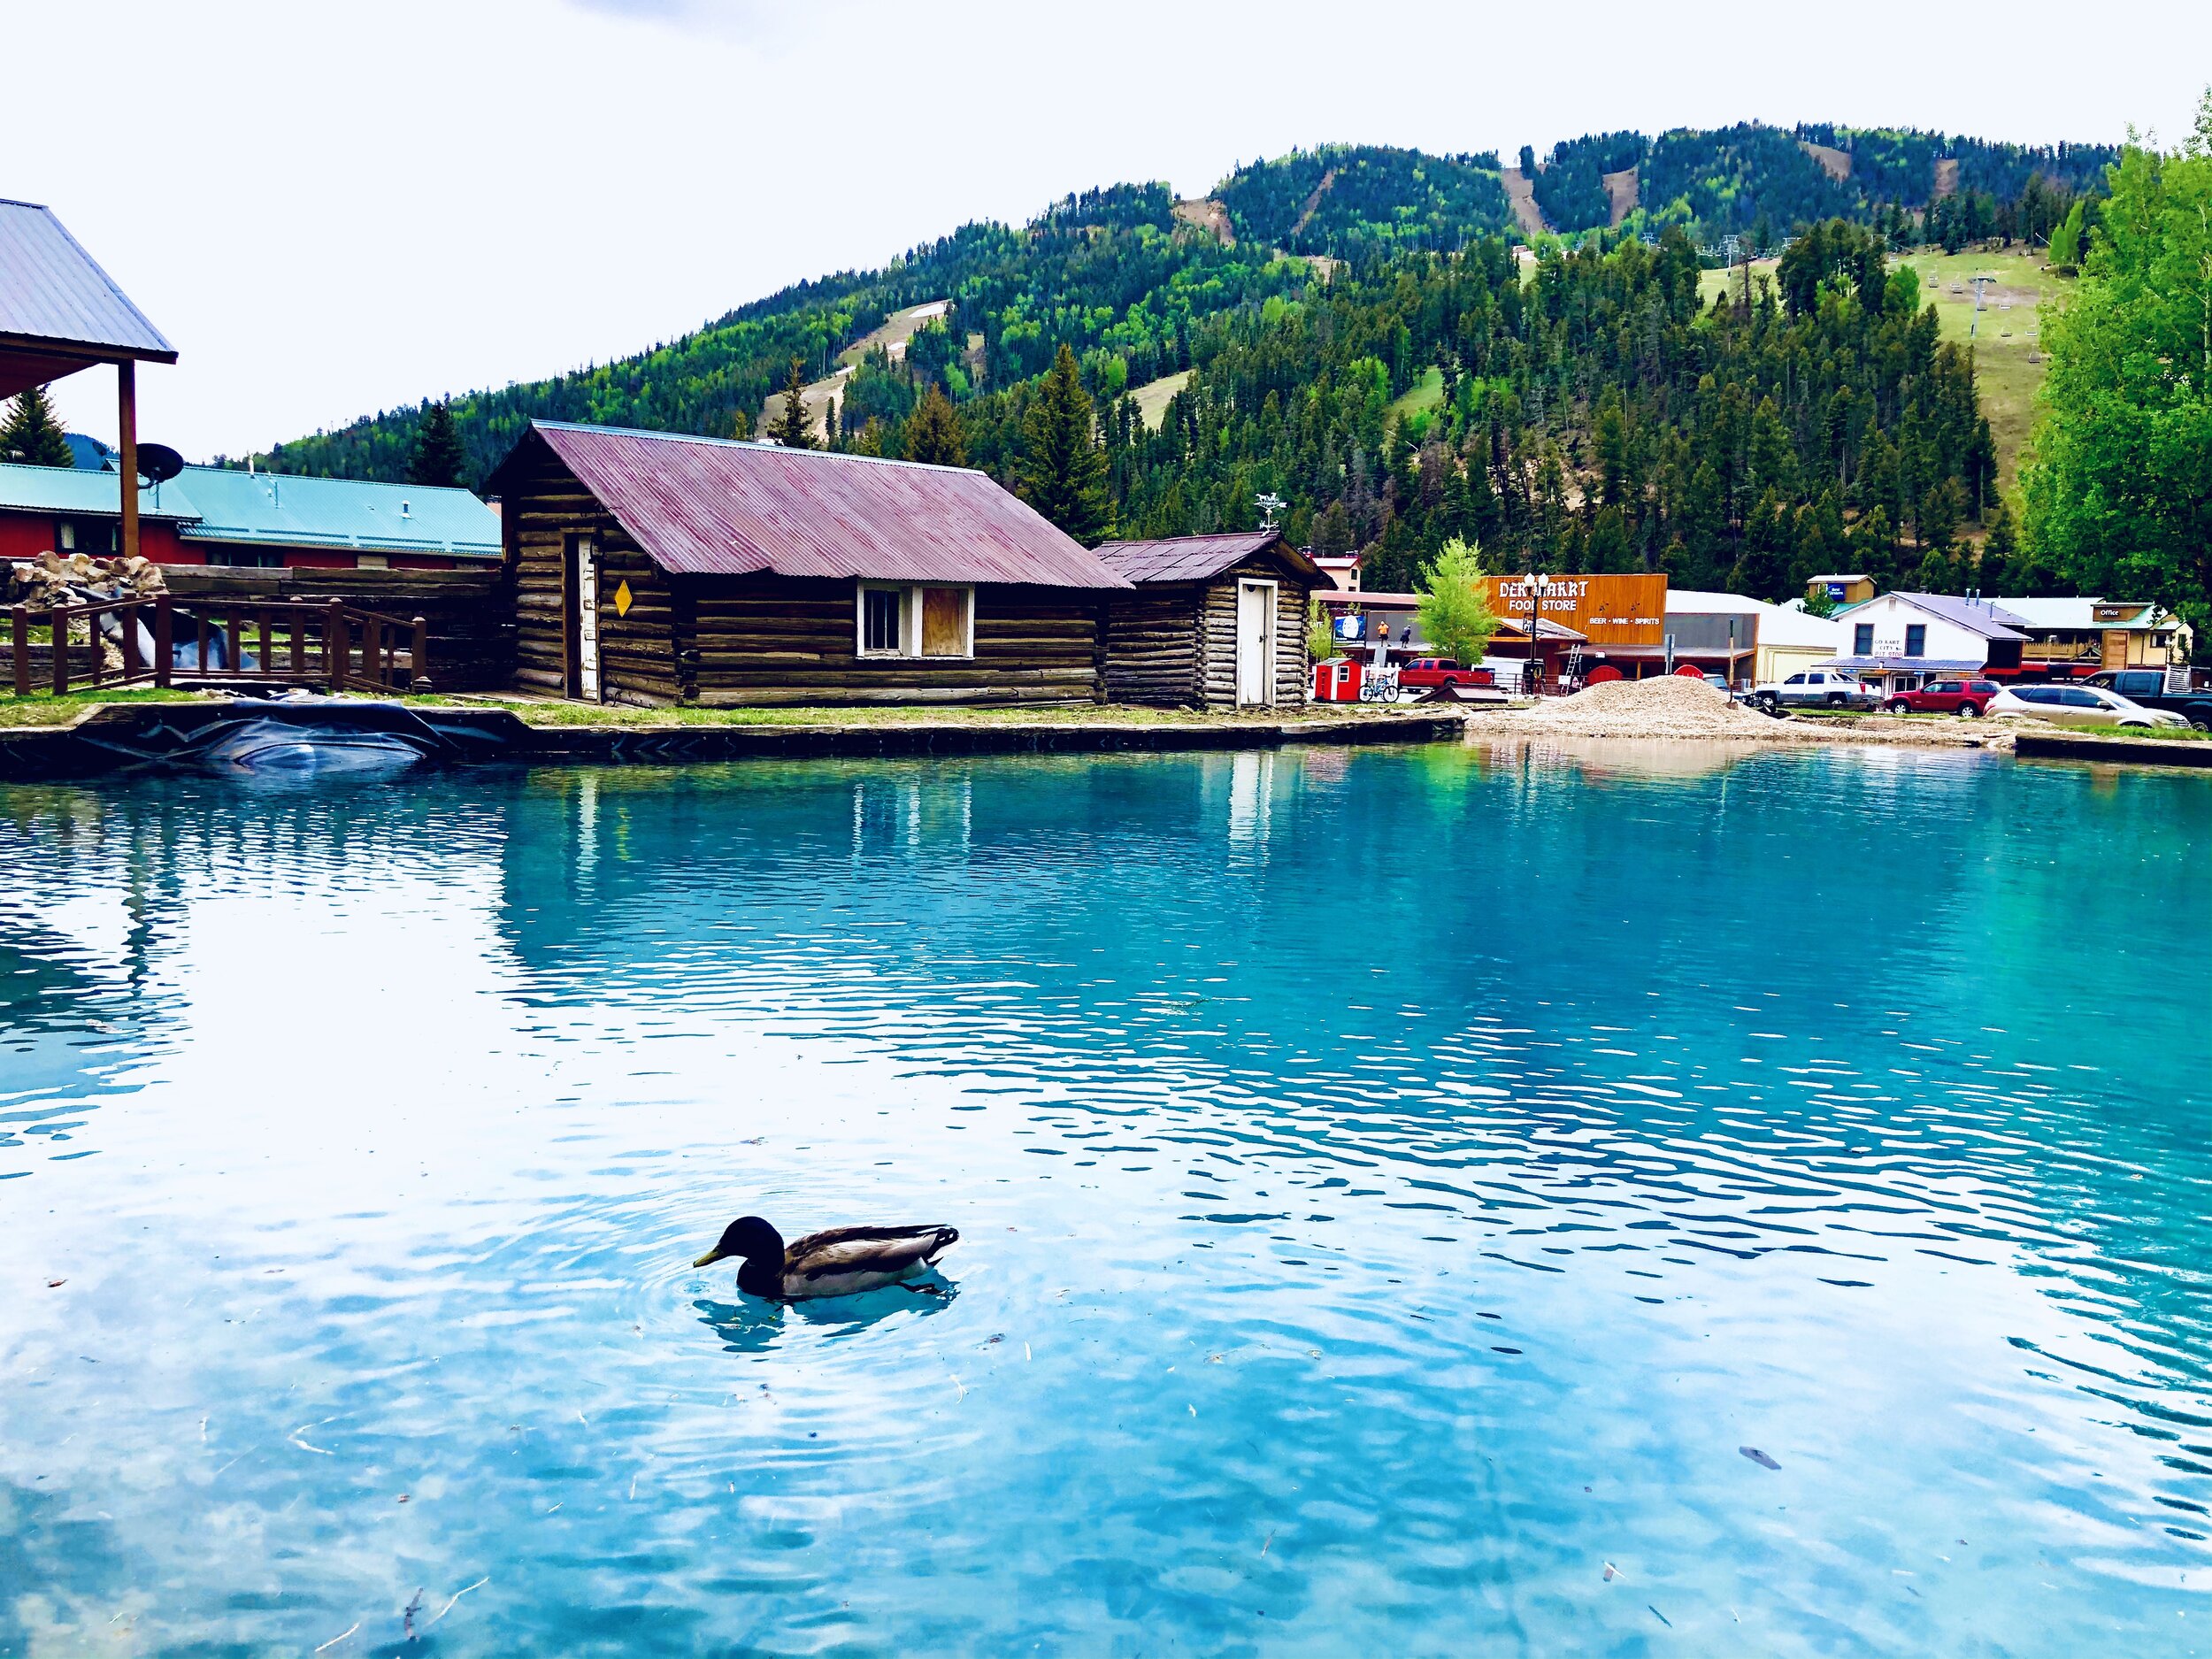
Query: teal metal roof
(213,503)
(280,509)
(72,490)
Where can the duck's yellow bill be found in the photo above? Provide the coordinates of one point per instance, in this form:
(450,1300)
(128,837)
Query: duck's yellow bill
(709,1259)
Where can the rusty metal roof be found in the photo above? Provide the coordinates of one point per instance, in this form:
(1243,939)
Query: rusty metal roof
(703,506)
(53,294)
(1197,558)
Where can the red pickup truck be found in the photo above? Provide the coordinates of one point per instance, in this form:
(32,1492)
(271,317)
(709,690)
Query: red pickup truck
(1945,697)
(1441,671)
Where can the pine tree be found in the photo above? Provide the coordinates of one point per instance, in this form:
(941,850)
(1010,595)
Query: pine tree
(792,428)
(829,424)
(1063,471)
(437,460)
(933,433)
(31,436)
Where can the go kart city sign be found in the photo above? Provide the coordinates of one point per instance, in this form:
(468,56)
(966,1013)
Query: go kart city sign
(1606,610)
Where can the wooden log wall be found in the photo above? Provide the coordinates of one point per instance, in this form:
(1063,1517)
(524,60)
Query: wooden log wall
(638,659)
(1152,645)
(1176,642)
(538,512)
(1218,636)
(469,612)
(762,639)
(638,656)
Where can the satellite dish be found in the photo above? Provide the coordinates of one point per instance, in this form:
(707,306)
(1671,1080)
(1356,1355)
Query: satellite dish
(157,462)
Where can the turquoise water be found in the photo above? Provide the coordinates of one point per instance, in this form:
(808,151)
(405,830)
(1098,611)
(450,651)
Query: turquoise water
(1394,1185)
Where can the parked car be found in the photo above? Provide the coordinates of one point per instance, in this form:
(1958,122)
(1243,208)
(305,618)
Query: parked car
(1819,688)
(1945,697)
(2078,705)
(1423,672)
(2149,688)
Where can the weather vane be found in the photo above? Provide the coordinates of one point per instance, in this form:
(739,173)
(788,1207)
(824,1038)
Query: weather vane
(1269,505)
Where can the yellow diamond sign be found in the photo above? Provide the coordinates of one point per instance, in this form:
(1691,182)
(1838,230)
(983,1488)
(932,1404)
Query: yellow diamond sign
(622,600)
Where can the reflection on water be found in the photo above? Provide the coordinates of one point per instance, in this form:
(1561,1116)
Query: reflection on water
(1392,1185)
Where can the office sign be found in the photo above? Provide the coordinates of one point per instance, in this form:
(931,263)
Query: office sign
(1608,609)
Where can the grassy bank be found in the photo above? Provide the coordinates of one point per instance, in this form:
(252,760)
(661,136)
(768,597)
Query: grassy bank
(47,710)
(44,708)
(533,712)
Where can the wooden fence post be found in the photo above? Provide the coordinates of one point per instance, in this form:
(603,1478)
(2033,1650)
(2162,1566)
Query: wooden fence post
(60,615)
(128,615)
(334,647)
(21,640)
(419,658)
(164,641)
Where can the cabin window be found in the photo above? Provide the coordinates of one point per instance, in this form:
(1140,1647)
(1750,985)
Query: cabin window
(1915,639)
(917,619)
(883,621)
(1862,639)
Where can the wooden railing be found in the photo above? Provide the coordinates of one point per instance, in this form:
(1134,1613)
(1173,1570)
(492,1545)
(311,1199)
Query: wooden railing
(250,644)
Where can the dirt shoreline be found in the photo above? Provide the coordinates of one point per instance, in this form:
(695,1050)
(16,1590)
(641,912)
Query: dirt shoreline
(1873,728)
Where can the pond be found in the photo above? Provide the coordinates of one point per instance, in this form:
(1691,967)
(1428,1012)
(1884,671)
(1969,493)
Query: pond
(1602,1199)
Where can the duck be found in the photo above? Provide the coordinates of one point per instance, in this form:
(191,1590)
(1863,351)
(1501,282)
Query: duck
(836,1262)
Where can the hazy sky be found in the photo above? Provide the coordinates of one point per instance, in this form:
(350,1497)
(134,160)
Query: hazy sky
(333,209)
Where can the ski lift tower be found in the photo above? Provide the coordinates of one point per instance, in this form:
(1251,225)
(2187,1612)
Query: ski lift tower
(1982,285)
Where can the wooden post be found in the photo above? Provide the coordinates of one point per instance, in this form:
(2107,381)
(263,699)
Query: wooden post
(21,640)
(60,615)
(334,647)
(129,616)
(126,447)
(164,641)
(418,659)
(298,614)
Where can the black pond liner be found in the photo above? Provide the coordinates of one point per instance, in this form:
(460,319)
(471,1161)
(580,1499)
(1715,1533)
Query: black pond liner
(293,737)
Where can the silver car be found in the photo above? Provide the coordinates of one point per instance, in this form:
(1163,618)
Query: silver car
(1820,689)
(2078,705)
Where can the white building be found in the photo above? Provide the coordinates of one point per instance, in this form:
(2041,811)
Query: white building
(1899,641)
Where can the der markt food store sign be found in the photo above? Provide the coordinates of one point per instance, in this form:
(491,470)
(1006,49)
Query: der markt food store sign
(1604,609)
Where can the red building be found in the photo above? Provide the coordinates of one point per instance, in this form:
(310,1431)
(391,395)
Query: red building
(213,516)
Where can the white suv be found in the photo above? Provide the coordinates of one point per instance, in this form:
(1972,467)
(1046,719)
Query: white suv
(1820,689)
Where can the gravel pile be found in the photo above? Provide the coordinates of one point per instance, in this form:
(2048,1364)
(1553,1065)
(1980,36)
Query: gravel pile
(1671,705)
(1678,706)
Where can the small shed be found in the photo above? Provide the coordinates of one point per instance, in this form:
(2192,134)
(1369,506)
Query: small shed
(656,567)
(1216,621)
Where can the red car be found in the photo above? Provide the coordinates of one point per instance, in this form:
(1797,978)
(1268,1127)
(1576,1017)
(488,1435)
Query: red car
(1945,697)
(1441,670)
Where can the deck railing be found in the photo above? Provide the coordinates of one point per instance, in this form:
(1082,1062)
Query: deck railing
(242,645)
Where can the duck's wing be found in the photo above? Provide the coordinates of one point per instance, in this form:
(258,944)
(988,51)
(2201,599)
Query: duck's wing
(837,1252)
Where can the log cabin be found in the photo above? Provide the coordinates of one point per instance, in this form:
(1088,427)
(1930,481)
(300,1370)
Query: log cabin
(655,567)
(1213,622)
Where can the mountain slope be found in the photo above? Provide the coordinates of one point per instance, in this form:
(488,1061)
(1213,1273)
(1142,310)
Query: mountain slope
(1124,277)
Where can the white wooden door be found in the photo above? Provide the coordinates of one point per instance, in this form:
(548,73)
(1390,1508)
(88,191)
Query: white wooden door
(1256,644)
(587,619)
